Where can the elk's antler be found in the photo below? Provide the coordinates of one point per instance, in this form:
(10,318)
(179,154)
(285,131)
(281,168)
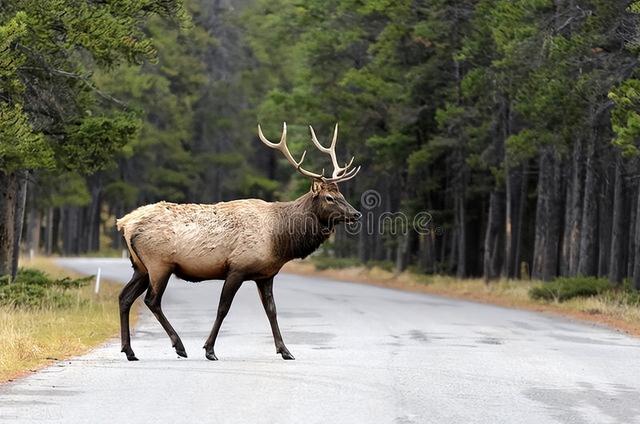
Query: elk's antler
(282,147)
(339,173)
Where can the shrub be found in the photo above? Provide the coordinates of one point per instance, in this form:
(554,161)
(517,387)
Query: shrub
(565,288)
(33,288)
(327,262)
(323,262)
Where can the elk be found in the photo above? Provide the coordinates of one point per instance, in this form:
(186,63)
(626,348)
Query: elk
(234,241)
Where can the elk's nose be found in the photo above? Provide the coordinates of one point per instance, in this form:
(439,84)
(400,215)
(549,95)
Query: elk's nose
(357,215)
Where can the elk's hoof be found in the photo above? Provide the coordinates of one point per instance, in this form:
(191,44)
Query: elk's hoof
(211,356)
(286,354)
(130,355)
(181,352)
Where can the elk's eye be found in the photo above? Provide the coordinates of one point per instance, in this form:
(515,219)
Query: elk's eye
(329,199)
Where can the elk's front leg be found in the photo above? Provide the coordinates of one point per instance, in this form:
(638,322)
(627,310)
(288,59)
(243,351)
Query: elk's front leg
(229,290)
(265,288)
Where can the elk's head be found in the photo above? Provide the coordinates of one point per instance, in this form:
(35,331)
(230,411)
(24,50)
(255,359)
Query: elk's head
(327,203)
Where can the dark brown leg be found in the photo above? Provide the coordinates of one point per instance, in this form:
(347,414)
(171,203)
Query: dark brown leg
(229,290)
(265,288)
(153,300)
(138,284)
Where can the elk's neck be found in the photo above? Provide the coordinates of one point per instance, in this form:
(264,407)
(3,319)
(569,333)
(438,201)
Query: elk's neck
(299,232)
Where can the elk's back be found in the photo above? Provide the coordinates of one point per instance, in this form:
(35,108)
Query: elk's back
(199,242)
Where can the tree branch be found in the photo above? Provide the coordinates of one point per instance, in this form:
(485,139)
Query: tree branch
(85,79)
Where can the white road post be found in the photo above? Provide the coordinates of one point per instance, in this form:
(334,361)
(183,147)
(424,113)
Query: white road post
(98,280)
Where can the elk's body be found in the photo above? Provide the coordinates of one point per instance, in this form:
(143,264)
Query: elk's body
(203,242)
(236,241)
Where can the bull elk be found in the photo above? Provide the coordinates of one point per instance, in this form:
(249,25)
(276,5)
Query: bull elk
(233,241)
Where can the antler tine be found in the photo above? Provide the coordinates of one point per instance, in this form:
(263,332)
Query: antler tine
(338,171)
(344,177)
(282,147)
(348,165)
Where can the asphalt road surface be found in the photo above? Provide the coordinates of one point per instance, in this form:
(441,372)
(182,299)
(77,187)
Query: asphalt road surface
(363,355)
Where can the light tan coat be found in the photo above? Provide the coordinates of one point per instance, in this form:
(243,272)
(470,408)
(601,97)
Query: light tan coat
(202,241)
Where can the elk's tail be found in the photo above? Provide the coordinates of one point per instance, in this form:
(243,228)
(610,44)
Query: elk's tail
(126,226)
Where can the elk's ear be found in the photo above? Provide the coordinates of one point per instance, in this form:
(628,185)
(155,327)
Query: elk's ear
(316,186)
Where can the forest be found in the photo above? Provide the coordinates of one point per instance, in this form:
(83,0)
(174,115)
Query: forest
(512,123)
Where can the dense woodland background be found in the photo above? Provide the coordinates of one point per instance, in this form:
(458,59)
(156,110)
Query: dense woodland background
(513,122)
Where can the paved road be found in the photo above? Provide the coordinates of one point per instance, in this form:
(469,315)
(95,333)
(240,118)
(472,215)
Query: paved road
(363,355)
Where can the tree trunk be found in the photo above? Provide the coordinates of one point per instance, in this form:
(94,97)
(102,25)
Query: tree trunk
(519,224)
(22,178)
(636,267)
(461,265)
(72,224)
(492,236)
(116,237)
(587,260)
(60,228)
(459,182)
(541,220)
(554,214)
(362,240)
(453,252)
(442,260)
(617,257)
(565,249)
(546,242)
(508,224)
(34,224)
(427,252)
(605,223)
(509,199)
(93,218)
(427,246)
(631,247)
(573,214)
(8,193)
(340,242)
(49,233)
(402,254)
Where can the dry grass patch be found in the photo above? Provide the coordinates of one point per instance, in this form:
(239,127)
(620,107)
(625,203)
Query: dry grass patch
(34,337)
(613,309)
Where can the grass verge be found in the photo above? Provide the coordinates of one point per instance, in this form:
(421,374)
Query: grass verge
(35,337)
(612,309)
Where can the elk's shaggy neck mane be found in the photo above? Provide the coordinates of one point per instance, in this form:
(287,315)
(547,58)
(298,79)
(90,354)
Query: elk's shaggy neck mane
(299,231)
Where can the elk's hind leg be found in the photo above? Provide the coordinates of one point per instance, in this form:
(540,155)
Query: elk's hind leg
(153,299)
(229,290)
(138,284)
(265,288)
